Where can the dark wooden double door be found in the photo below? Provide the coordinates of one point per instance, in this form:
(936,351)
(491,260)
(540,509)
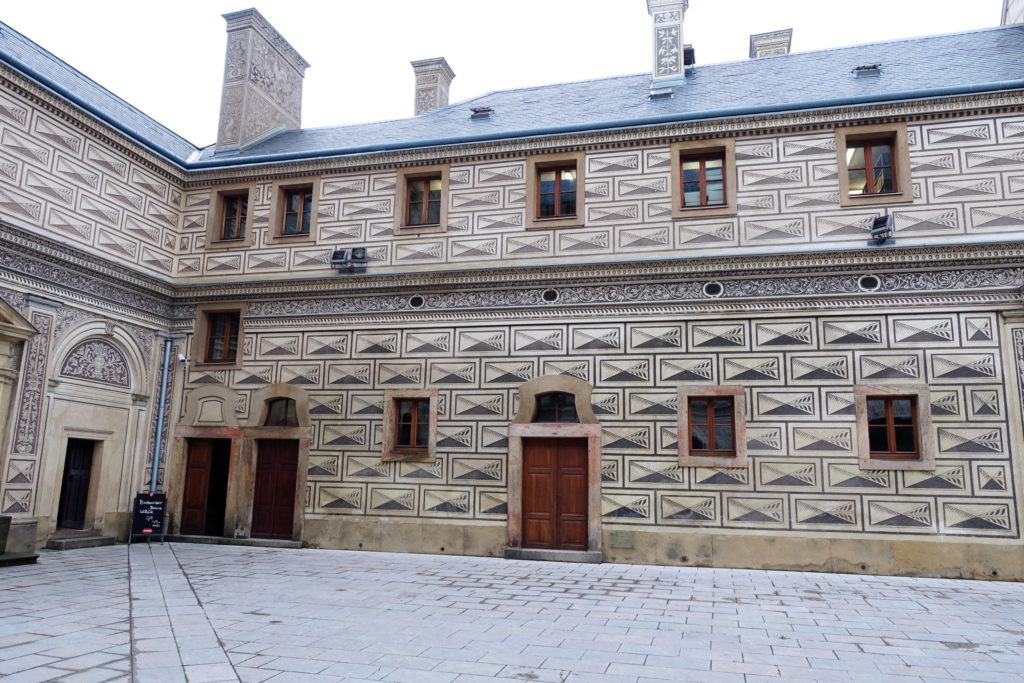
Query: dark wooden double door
(555,493)
(206,483)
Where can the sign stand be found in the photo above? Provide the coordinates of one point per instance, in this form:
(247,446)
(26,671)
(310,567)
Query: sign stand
(148,516)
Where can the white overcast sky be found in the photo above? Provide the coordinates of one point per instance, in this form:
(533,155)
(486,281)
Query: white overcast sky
(166,58)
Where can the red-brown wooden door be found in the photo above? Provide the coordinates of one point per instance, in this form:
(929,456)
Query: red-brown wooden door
(555,493)
(197,486)
(273,501)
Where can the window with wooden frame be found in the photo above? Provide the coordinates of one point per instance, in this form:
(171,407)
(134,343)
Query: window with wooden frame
(296,211)
(229,217)
(704,178)
(556,406)
(712,426)
(894,427)
(874,165)
(421,199)
(555,195)
(234,215)
(410,425)
(221,336)
(293,211)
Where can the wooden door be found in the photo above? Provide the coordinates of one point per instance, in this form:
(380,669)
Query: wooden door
(555,493)
(74,489)
(197,486)
(273,501)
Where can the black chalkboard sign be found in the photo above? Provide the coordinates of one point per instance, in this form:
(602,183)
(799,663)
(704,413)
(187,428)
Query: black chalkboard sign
(148,516)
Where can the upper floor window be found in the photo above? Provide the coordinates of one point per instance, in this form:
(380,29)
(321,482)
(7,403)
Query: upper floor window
(556,192)
(423,201)
(712,427)
(869,167)
(703,179)
(557,406)
(235,213)
(412,423)
(297,209)
(221,336)
(892,427)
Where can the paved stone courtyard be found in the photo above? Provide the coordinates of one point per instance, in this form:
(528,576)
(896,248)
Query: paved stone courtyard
(201,613)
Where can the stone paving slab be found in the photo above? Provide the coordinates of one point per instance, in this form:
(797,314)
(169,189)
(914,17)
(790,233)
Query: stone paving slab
(207,613)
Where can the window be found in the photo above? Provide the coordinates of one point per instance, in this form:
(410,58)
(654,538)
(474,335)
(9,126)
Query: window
(281,413)
(221,337)
(554,191)
(874,165)
(229,218)
(234,215)
(557,406)
(703,178)
(712,426)
(298,205)
(293,211)
(421,203)
(217,335)
(894,427)
(410,425)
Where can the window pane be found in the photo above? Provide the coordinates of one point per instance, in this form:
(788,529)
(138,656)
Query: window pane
(882,181)
(547,181)
(691,194)
(567,409)
(855,157)
(307,202)
(716,192)
(713,169)
(547,205)
(435,188)
(232,347)
(569,183)
(691,169)
(292,202)
(423,410)
(876,411)
(545,408)
(878,439)
(723,411)
(416,191)
(404,436)
(415,213)
(305,223)
(698,437)
(698,411)
(421,434)
(902,411)
(434,212)
(218,325)
(881,155)
(216,348)
(858,179)
(290,223)
(568,205)
(405,411)
(905,440)
(723,438)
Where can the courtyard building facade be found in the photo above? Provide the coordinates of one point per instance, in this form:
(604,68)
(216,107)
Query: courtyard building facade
(673,318)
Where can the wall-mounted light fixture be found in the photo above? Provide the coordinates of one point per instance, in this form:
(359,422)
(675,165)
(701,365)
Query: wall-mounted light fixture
(881,231)
(351,260)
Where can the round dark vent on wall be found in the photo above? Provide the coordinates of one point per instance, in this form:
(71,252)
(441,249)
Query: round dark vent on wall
(713,289)
(869,283)
(416,301)
(549,295)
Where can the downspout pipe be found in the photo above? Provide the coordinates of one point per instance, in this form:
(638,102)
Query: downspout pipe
(159,442)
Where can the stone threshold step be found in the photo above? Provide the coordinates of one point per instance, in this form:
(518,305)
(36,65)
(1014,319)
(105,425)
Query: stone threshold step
(583,556)
(220,540)
(11,559)
(76,542)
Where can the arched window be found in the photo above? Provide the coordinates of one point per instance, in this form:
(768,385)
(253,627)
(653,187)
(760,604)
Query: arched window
(281,413)
(557,406)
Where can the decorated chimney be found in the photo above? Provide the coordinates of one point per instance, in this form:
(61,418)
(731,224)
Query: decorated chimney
(667,32)
(771,43)
(433,78)
(263,74)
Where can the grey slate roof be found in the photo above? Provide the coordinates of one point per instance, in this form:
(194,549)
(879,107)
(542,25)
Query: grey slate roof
(19,52)
(973,61)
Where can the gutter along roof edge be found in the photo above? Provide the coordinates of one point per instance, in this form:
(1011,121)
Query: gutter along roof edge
(213,164)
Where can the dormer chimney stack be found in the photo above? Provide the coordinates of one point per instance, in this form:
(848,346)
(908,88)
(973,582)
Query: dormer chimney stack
(668,70)
(262,91)
(771,43)
(433,78)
